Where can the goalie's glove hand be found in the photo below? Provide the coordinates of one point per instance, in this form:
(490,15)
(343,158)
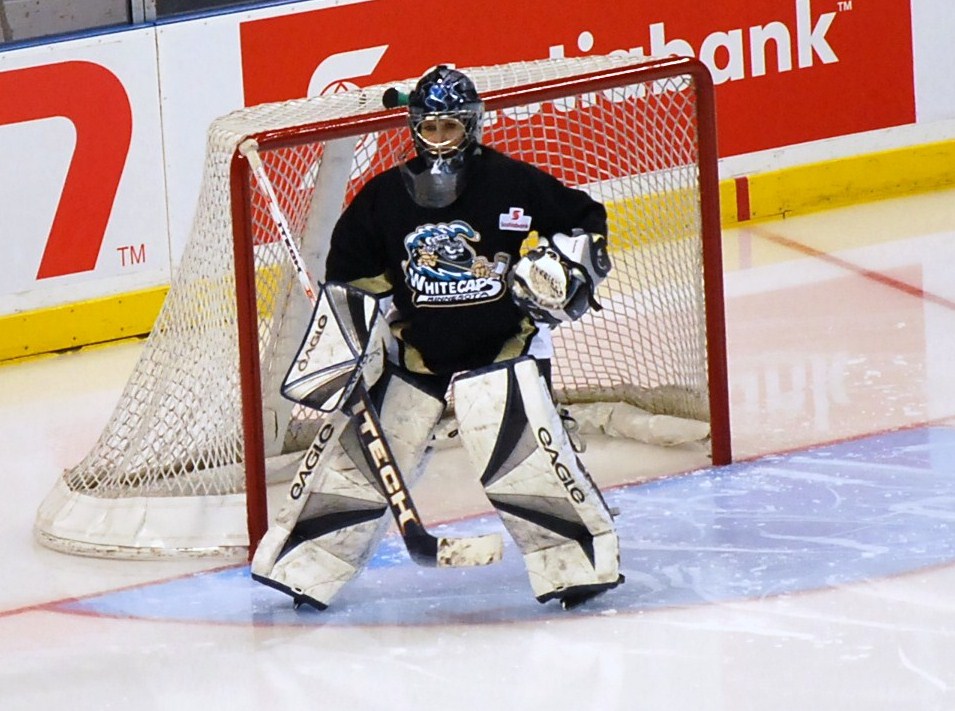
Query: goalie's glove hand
(555,282)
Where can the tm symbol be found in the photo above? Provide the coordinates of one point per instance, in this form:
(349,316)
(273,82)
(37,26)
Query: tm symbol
(130,255)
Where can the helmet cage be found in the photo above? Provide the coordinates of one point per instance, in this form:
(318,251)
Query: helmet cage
(454,131)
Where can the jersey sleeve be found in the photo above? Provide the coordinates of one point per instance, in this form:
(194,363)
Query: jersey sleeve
(356,255)
(562,209)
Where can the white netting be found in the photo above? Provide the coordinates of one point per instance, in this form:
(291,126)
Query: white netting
(167,474)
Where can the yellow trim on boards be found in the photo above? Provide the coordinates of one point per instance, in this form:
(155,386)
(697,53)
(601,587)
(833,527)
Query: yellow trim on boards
(837,183)
(770,195)
(32,333)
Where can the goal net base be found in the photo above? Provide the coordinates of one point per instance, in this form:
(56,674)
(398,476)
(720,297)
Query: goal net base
(143,527)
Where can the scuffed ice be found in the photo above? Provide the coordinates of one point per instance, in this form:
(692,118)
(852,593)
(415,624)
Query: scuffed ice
(855,511)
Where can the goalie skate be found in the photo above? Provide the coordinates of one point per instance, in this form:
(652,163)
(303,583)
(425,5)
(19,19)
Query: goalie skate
(577,596)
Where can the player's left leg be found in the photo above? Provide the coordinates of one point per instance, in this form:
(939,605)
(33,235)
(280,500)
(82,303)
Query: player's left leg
(513,434)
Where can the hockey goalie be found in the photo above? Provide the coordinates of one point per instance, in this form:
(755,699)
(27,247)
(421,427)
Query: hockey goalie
(448,270)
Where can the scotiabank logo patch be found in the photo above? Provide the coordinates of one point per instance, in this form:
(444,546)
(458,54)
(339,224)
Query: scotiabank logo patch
(787,71)
(515,220)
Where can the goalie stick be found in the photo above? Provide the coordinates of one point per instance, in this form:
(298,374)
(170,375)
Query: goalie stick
(423,547)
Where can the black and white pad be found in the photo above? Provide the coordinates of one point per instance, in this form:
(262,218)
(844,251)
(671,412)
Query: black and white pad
(514,436)
(334,515)
(345,340)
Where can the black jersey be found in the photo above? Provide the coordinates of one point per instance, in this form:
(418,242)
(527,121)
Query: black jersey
(447,267)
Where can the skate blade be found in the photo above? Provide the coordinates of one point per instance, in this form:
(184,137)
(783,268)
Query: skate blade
(573,600)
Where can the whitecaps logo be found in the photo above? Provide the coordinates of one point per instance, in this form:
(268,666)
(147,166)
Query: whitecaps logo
(443,269)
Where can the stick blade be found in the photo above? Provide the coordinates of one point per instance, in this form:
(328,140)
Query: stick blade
(469,552)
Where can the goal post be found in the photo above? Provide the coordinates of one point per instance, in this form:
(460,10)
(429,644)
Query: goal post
(182,466)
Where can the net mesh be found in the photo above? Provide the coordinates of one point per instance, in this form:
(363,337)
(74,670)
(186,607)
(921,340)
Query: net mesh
(176,433)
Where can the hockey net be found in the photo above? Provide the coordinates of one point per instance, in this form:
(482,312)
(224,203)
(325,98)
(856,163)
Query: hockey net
(180,467)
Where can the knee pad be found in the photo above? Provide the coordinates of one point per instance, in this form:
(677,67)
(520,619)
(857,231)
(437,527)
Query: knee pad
(333,518)
(514,436)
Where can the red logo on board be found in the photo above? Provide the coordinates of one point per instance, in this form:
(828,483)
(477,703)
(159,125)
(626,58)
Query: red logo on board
(787,71)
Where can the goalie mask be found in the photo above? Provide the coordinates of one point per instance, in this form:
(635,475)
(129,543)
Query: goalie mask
(445,115)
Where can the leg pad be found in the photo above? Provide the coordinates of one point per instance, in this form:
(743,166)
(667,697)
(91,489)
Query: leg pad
(513,434)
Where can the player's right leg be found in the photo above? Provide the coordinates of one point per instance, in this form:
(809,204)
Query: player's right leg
(334,516)
(514,436)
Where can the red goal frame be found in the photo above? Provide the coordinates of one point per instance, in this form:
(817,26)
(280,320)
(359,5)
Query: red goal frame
(241,199)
